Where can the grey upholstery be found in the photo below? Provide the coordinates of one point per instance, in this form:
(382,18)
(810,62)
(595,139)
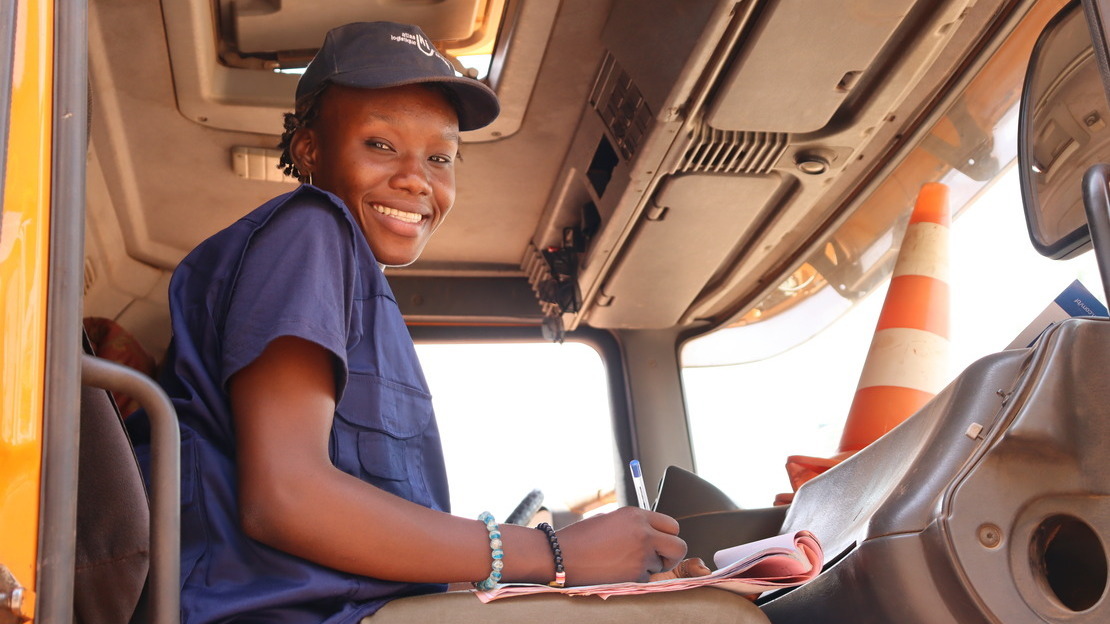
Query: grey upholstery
(113,517)
(940,522)
(991,504)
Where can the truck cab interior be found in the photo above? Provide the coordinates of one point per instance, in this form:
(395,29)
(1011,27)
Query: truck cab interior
(663,171)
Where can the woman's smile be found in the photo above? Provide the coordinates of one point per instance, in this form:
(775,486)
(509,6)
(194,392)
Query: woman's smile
(401,222)
(400,215)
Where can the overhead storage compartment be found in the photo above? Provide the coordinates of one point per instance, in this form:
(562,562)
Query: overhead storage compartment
(654,41)
(810,39)
(693,114)
(690,228)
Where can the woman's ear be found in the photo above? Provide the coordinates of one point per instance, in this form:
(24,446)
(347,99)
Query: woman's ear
(303,149)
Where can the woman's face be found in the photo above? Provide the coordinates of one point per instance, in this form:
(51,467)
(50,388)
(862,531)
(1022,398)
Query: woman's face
(389,154)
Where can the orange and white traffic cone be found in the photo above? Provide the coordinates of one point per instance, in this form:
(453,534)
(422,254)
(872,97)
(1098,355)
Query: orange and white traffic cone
(802,468)
(908,361)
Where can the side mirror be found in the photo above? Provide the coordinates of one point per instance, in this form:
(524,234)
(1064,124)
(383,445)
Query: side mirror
(1064,135)
(1062,131)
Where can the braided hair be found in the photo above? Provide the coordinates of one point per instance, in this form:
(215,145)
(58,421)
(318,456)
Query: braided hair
(306,113)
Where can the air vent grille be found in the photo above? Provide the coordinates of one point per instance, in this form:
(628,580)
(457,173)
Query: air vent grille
(731,151)
(621,106)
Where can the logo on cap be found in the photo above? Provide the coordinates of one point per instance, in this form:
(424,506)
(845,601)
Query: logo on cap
(421,44)
(424,46)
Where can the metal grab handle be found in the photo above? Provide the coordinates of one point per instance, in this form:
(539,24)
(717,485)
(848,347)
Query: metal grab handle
(165,480)
(1096,201)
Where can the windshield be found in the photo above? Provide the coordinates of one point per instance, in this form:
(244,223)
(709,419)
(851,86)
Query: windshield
(796,403)
(752,381)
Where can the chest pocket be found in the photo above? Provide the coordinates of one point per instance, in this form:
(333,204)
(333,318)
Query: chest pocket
(378,434)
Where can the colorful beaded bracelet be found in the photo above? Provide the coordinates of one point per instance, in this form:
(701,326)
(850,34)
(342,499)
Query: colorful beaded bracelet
(560,574)
(495,552)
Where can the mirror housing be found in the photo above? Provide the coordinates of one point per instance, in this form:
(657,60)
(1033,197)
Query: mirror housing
(1063,137)
(1062,130)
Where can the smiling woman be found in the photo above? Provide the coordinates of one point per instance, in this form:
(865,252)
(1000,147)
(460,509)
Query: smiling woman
(395,171)
(314,485)
(383,137)
(661,169)
(305,419)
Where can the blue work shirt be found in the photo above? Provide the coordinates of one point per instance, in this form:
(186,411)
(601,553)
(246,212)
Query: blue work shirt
(297,266)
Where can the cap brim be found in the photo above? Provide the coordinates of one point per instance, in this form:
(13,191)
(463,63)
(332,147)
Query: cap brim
(478,105)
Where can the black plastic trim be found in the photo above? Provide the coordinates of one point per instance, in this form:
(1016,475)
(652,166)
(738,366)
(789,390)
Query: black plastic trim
(1096,201)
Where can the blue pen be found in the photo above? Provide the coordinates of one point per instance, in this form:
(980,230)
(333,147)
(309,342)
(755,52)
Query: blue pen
(638,483)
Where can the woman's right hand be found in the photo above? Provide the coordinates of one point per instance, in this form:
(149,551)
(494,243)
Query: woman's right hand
(629,544)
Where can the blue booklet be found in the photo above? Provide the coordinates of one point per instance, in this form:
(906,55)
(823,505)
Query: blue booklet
(1075,300)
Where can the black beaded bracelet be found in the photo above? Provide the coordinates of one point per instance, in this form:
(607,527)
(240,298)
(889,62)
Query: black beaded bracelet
(560,574)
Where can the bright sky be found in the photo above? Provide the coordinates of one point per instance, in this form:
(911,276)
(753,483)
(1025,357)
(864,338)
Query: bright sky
(518,417)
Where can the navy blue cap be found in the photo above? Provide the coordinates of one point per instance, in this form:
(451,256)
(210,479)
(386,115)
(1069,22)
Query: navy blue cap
(376,55)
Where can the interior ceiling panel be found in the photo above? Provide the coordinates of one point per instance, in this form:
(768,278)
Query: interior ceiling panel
(932,56)
(170,178)
(172,181)
(677,32)
(899,57)
(221,87)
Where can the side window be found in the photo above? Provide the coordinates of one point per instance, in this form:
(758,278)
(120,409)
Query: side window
(516,417)
(796,403)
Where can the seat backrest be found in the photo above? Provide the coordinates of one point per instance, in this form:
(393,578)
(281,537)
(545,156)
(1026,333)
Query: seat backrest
(113,517)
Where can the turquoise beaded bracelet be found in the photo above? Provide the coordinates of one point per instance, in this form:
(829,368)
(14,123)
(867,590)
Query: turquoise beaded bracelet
(495,552)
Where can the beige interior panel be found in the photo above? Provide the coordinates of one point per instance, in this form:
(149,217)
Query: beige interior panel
(165,177)
(795,70)
(691,226)
(113,280)
(217,95)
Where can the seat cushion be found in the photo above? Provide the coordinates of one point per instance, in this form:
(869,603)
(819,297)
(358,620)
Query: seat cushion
(703,605)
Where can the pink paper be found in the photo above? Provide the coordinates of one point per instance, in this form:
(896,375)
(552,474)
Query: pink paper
(750,569)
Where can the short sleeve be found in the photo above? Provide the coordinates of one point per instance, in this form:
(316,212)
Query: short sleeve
(297,278)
